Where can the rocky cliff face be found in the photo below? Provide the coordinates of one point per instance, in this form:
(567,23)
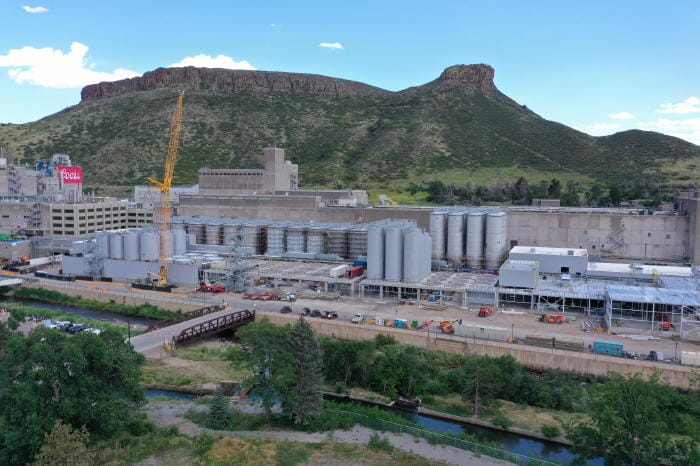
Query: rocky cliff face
(473,78)
(254,82)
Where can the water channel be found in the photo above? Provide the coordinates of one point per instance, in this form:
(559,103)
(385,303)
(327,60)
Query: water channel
(103,316)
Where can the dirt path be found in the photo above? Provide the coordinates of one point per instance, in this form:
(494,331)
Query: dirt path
(168,413)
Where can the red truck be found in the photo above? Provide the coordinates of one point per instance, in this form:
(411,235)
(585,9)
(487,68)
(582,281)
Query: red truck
(260,296)
(354,271)
(211,288)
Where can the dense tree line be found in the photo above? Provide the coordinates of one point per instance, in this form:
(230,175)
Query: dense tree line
(629,420)
(85,381)
(521,192)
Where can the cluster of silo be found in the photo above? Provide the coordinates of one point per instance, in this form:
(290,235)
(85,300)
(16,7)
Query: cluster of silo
(397,252)
(139,244)
(473,236)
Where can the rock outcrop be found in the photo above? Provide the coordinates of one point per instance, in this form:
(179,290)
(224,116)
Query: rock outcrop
(254,82)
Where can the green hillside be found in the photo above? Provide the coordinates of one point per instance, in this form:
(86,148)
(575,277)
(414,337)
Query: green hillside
(454,128)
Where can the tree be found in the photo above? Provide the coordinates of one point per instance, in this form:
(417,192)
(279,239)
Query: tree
(304,401)
(627,423)
(218,410)
(65,445)
(554,188)
(270,361)
(85,380)
(481,381)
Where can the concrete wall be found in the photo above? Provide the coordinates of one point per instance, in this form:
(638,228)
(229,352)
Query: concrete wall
(635,236)
(529,356)
(552,263)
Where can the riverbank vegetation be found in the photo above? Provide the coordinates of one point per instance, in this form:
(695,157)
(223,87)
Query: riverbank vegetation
(54,297)
(20,312)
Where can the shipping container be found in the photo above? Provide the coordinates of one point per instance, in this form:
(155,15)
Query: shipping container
(354,271)
(608,347)
(690,358)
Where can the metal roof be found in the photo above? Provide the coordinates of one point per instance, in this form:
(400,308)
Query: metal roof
(648,294)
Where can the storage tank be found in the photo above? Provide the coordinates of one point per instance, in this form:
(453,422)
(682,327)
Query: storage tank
(213,233)
(177,224)
(275,240)
(496,233)
(416,259)
(476,221)
(102,245)
(375,253)
(357,241)
(438,234)
(251,235)
(149,246)
(116,246)
(131,245)
(179,239)
(393,254)
(315,240)
(337,241)
(455,238)
(166,244)
(296,240)
(198,230)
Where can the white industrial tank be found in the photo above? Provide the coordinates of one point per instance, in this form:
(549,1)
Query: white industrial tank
(375,253)
(149,246)
(476,222)
(116,246)
(455,238)
(131,245)
(393,254)
(496,232)
(438,234)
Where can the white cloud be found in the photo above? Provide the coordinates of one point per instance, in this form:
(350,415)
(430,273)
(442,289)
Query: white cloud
(220,61)
(688,129)
(50,67)
(689,105)
(601,129)
(35,9)
(622,116)
(331,45)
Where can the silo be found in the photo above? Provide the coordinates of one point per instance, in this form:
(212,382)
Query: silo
(213,233)
(275,240)
(414,255)
(250,238)
(196,228)
(337,241)
(296,240)
(476,221)
(315,240)
(375,253)
(455,238)
(230,233)
(496,233)
(131,245)
(357,241)
(179,239)
(116,246)
(438,234)
(149,246)
(102,245)
(393,254)
(166,244)
(177,224)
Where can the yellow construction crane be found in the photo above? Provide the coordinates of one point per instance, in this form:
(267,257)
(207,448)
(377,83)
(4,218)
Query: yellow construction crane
(165,212)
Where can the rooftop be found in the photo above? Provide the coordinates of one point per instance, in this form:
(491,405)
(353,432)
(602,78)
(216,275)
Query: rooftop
(548,251)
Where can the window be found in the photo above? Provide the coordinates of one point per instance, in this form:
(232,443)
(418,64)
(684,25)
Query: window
(668,235)
(648,235)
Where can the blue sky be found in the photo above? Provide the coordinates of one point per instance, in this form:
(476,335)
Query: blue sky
(599,66)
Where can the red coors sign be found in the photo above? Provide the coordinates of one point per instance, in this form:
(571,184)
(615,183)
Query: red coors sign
(72,175)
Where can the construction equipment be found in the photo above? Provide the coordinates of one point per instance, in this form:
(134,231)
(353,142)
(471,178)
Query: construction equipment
(553,318)
(447,327)
(165,211)
(211,288)
(485,311)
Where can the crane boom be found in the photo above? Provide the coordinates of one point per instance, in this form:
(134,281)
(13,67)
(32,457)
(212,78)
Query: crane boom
(165,211)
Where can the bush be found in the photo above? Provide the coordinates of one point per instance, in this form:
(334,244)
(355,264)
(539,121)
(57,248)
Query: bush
(502,421)
(139,425)
(550,431)
(377,442)
(203,443)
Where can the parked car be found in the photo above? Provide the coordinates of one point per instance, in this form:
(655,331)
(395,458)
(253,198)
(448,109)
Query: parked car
(75,328)
(63,325)
(306,311)
(329,315)
(286,309)
(357,318)
(96,331)
(316,313)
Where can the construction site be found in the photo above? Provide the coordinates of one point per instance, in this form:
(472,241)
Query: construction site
(613,271)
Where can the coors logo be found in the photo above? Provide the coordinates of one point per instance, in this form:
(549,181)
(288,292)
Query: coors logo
(71,174)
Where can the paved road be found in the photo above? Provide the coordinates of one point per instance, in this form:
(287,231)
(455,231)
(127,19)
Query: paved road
(148,341)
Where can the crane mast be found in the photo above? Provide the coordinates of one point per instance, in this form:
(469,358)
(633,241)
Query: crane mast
(165,210)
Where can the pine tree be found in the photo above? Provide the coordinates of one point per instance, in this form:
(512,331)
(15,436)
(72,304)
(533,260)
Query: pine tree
(218,410)
(304,400)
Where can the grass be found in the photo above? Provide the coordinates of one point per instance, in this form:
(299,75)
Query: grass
(19,312)
(160,373)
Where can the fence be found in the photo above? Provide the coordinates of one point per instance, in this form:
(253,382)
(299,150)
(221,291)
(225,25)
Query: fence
(441,439)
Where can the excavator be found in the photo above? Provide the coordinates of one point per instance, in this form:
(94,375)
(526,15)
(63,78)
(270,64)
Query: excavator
(447,327)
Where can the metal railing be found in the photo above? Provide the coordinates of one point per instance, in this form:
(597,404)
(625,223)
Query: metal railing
(219,324)
(186,316)
(441,439)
